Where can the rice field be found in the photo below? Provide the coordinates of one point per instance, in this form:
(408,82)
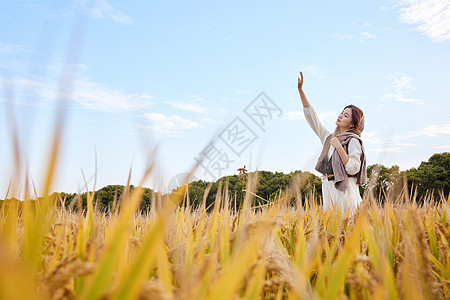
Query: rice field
(284,250)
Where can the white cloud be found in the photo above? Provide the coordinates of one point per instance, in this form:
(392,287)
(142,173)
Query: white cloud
(29,88)
(398,97)
(103,10)
(102,97)
(404,82)
(406,144)
(92,95)
(362,36)
(371,137)
(328,116)
(366,35)
(188,107)
(443,147)
(222,110)
(314,70)
(388,144)
(435,130)
(6,48)
(345,36)
(432,17)
(381,142)
(400,142)
(386,149)
(212,121)
(293,115)
(401,85)
(167,125)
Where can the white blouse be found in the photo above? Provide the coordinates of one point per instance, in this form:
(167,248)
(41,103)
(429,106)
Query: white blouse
(331,196)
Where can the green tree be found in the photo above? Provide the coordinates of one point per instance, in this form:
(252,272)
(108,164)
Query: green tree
(268,187)
(106,195)
(385,182)
(432,176)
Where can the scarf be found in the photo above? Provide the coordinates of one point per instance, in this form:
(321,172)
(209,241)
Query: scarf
(340,174)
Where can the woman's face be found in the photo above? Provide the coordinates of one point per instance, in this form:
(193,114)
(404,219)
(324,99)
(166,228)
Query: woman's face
(344,120)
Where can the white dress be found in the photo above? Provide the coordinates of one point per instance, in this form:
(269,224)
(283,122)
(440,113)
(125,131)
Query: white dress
(332,197)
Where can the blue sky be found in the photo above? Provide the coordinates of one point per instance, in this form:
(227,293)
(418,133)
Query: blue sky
(175,74)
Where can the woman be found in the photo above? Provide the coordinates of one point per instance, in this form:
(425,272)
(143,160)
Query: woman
(342,161)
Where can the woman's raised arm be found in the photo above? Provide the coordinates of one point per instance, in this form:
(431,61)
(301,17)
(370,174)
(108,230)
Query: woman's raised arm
(302,94)
(310,115)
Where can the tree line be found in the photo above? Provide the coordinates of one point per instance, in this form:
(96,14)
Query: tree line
(428,181)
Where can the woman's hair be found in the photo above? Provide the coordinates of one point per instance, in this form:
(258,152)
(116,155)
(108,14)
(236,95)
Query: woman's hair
(357,119)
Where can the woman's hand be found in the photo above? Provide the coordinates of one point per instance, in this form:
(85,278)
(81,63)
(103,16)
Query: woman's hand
(300,82)
(336,143)
(342,154)
(305,101)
